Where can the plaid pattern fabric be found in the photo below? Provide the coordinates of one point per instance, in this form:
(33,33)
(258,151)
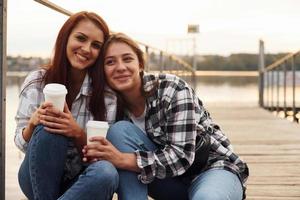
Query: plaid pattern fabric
(31,97)
(175,115)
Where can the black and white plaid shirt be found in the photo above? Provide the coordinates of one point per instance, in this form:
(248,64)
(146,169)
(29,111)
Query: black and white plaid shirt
(174,116)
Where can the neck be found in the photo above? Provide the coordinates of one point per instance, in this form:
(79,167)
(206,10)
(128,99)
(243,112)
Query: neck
(135,102)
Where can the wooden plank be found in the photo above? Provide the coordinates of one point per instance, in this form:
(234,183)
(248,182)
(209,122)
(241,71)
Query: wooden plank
(274,190)
(273,180)
(265,149)
(269,158)
(271,198)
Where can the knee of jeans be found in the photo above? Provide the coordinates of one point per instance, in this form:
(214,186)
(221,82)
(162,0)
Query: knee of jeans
(44,137)
(118,130)
(103,172)
(207,194)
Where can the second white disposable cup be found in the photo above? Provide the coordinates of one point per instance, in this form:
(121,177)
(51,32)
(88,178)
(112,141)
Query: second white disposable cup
(56,94)
(96,128)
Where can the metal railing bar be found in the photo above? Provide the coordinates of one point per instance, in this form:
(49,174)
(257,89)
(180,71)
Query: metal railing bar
(54,7)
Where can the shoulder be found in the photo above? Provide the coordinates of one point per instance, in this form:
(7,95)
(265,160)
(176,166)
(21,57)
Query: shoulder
(163,81)
(171,81)
(33,79)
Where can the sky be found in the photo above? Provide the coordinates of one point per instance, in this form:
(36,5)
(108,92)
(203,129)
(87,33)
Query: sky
(225,26)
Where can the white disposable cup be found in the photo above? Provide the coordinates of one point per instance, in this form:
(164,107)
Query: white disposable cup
(96,128)
(56,94)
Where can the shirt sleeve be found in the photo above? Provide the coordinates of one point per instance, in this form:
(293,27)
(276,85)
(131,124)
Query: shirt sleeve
(178,153)
(29,100)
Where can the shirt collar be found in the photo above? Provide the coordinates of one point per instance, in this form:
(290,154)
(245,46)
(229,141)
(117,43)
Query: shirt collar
(149,81)
(86,88)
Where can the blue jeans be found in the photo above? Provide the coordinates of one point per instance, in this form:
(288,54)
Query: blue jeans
(213,184)
(42,170)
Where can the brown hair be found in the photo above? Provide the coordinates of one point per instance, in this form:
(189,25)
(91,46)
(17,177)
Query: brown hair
(122,38)
(58,69)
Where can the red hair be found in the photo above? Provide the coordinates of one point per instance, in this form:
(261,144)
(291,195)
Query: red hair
(58,69)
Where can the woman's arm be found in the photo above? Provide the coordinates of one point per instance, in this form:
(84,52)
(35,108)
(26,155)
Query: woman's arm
(29,102)
(102,149)
(178,135)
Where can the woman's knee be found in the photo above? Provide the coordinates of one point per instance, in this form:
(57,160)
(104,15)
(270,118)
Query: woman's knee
(45,138)
(118,130)
(104,173)
(216,184)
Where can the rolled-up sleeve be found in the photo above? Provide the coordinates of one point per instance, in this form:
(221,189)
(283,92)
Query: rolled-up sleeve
(29,100)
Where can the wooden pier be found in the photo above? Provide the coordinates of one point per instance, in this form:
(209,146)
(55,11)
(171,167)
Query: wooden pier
(270,146)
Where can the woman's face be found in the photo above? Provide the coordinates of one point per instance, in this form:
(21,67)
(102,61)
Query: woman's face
(84,44)
(121,67)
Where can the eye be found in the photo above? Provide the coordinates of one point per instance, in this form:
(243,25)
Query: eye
(96,45)
(127,59)
(80,38)
(109,62)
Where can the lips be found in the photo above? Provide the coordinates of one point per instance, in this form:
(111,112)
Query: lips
(81,57)
(122,77)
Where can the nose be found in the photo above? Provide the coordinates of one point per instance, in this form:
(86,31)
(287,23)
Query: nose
(120,66)
(86,47)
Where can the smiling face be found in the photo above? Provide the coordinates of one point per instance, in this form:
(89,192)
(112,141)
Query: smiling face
(84,44)
(122,68)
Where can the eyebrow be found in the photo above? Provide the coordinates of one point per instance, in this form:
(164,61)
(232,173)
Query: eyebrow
(125,54)
(87,37)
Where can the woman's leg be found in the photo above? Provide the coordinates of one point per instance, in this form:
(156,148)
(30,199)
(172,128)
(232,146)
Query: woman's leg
(216,184)
(99,181)
(128,138)
(41,172)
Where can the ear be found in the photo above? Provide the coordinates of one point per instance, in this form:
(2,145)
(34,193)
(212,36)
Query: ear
(141,68)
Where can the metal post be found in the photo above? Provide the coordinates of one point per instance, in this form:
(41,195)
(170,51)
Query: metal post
(277,90)
(147,58)
(3,5)
(294,88)
(261,68)
(272,90)
(194,53)
(268,88)
(161,64)
(284,89)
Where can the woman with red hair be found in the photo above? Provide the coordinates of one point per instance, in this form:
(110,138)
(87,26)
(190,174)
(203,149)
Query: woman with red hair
(51,139)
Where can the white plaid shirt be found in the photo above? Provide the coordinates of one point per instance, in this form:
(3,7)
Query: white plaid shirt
(174,116)
(31,97)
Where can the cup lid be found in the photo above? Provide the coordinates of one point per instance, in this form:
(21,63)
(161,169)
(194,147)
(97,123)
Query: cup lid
(97,124)
(55,89)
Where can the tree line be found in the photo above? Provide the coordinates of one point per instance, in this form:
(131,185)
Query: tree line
(239,61)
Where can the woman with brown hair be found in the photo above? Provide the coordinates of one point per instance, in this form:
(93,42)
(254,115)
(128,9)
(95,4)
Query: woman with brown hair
(165,143)
(52,139)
